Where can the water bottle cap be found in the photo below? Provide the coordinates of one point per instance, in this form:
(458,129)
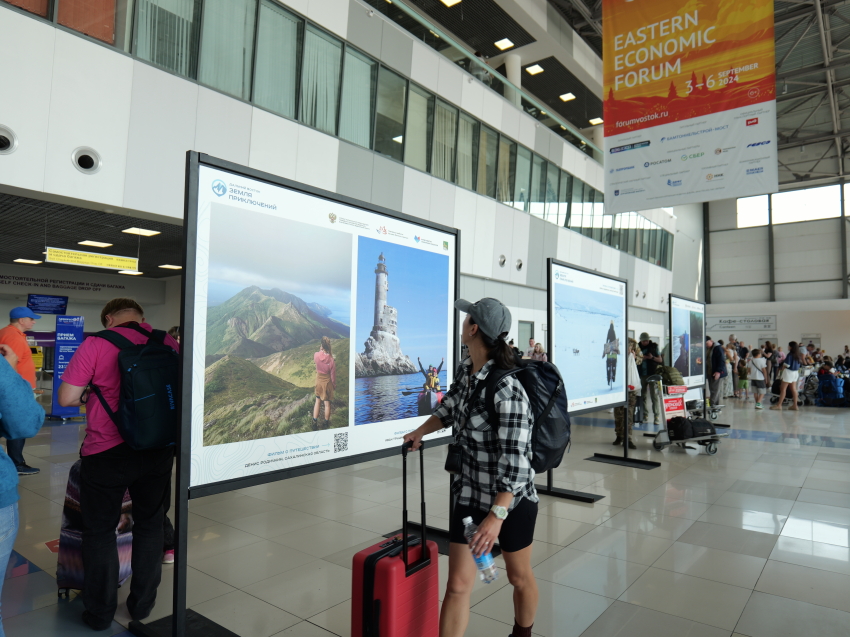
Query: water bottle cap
(467,520)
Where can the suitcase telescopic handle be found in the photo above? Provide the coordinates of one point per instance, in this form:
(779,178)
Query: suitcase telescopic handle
(425,560)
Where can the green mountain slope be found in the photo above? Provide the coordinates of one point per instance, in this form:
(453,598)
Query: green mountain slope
(296,365)
(255,323)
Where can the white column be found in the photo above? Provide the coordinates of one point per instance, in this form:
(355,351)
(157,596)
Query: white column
(513,67)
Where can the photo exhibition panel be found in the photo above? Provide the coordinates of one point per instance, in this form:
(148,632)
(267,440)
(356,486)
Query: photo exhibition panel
(589,343)
(687,329)
(322,330)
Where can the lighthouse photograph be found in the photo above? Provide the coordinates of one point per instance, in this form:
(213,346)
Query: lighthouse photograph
(401,332)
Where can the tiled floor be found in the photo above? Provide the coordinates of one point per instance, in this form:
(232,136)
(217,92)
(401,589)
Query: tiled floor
(754,541)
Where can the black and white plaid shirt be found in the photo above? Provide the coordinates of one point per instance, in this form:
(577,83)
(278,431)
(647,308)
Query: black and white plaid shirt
(495,459)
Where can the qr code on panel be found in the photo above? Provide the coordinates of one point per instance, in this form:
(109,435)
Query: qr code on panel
(341,442)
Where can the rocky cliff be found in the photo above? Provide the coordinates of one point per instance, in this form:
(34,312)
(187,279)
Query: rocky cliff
(383,357)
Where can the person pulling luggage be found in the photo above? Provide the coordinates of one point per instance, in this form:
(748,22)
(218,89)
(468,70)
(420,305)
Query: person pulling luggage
(494,482)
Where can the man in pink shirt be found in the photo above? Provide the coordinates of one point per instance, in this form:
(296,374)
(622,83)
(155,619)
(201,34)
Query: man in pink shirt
(109,467)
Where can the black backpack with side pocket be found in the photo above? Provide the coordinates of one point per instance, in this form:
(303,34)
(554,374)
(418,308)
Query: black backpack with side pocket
(148,415)
(547,395)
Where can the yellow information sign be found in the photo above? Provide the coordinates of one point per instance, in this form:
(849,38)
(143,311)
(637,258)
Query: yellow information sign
(91,259)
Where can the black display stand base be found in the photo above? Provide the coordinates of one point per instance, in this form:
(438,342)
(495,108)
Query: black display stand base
(196,625)
(625,462)
(567,494)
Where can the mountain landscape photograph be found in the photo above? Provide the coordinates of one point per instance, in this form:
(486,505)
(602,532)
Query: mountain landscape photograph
(273,295)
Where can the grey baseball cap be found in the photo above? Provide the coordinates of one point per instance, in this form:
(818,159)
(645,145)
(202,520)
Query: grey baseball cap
(490,315)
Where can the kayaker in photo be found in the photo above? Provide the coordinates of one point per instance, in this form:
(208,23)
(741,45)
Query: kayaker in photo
(431,395)
(325,383)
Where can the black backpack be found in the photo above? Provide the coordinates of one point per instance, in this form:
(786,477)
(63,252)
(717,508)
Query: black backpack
(548,397)
(149,409)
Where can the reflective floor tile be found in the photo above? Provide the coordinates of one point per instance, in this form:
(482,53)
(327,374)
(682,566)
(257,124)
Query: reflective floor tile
(614,497)
(277,522)
(660,505)
(245,615)
(234,508)
(304,629)
(37,508)
(719,604)
(282,494)
(379,519)
(835,486)
(727,538)
(822,588)
(707,495)
(345,557)
(196,522)
(581,512)
(644,483)
(771,616)
(628,620)
(829,498)
(764,489)
(324,539)
(792,479)
(758,521)
(716,565)
(821,512)
(817,531)
(481,626)
(559,531)
(540,552)
(336,620)
(632,547)
(663,526)
(563,611)
(840,474)
(751,502)
(307,590)
(589,572)
(63,619)
(252,563)
(827,557)
(28,592)
(215,540)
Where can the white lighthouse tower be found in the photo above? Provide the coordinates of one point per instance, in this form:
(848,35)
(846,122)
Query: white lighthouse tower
(386,317)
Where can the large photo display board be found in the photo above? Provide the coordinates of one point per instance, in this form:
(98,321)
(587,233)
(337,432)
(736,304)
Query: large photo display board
(316,327)
(687,339)
(588,338)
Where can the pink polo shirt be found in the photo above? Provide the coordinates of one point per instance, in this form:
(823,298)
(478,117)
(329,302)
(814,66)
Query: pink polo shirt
(96,363)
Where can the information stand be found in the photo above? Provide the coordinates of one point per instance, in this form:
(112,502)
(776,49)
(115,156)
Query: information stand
(248,236)
(69,337)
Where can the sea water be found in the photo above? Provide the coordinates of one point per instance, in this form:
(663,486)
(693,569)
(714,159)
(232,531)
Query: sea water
(381,398)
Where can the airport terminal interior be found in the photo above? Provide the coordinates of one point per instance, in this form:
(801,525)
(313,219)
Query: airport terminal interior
(300,190)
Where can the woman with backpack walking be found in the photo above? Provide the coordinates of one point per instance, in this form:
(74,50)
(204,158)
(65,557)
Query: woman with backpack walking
(493,482)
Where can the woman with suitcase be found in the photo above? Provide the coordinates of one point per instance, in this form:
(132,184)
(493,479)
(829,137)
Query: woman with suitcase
(493,482)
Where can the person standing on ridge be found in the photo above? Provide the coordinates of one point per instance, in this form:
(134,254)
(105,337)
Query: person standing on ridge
(325,382)
(610,353)
(21,320)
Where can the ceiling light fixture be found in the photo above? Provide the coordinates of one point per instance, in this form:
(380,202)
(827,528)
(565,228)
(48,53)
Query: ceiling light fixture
(399,139)
(30,261)
(450,3)
(131,272)
(534,69)
(503,44)
(141,231)
(566,97)
(596,121)
(94,244)
(171,267)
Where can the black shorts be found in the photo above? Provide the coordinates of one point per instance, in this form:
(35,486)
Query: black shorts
(517,530)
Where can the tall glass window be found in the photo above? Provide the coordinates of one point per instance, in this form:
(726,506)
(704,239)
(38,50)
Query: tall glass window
(420,128)
(358,95)
(488,144)
(167,34)
(564,196)
(279,39)
(552,175)
(227,45)
(109,21)
(467,151)
(320,80)
(576,210)
(507,170)
(537,198)
(389,114)
(522,182)
(445,140)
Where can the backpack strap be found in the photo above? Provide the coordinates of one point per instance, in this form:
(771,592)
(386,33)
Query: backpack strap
(112,415)
(118,340)
(493,379)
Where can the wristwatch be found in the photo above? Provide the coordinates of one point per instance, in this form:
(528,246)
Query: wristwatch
(499,512)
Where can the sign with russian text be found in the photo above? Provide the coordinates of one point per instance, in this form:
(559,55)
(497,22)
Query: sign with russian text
(723,323)
(91,259)
(69,337)
(690,102)
(47,304)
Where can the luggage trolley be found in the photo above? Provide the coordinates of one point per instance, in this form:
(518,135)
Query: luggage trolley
(674,405)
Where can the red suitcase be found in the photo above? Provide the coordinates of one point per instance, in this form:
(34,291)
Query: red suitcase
(395,583)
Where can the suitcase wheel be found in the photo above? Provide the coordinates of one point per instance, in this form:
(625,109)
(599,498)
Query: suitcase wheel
(714,415)
(64,592)
(657,445)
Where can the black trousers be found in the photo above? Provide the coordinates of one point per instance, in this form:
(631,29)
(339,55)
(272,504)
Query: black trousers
(103,479)
(15,449)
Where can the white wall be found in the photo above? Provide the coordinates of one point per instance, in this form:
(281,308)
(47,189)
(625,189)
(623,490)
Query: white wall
(830,319)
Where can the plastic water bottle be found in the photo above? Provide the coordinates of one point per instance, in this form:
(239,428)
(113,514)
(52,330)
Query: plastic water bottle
(486,566)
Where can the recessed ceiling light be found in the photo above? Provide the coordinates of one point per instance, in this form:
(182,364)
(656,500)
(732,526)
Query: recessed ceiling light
(566,97)
(94,244)
(542,112)
(534,69)
(30,261)
(141,231)
(171,267)
(398,139)
(596,121)
(450,3)
(131,272)
(504,44)
(563,128)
